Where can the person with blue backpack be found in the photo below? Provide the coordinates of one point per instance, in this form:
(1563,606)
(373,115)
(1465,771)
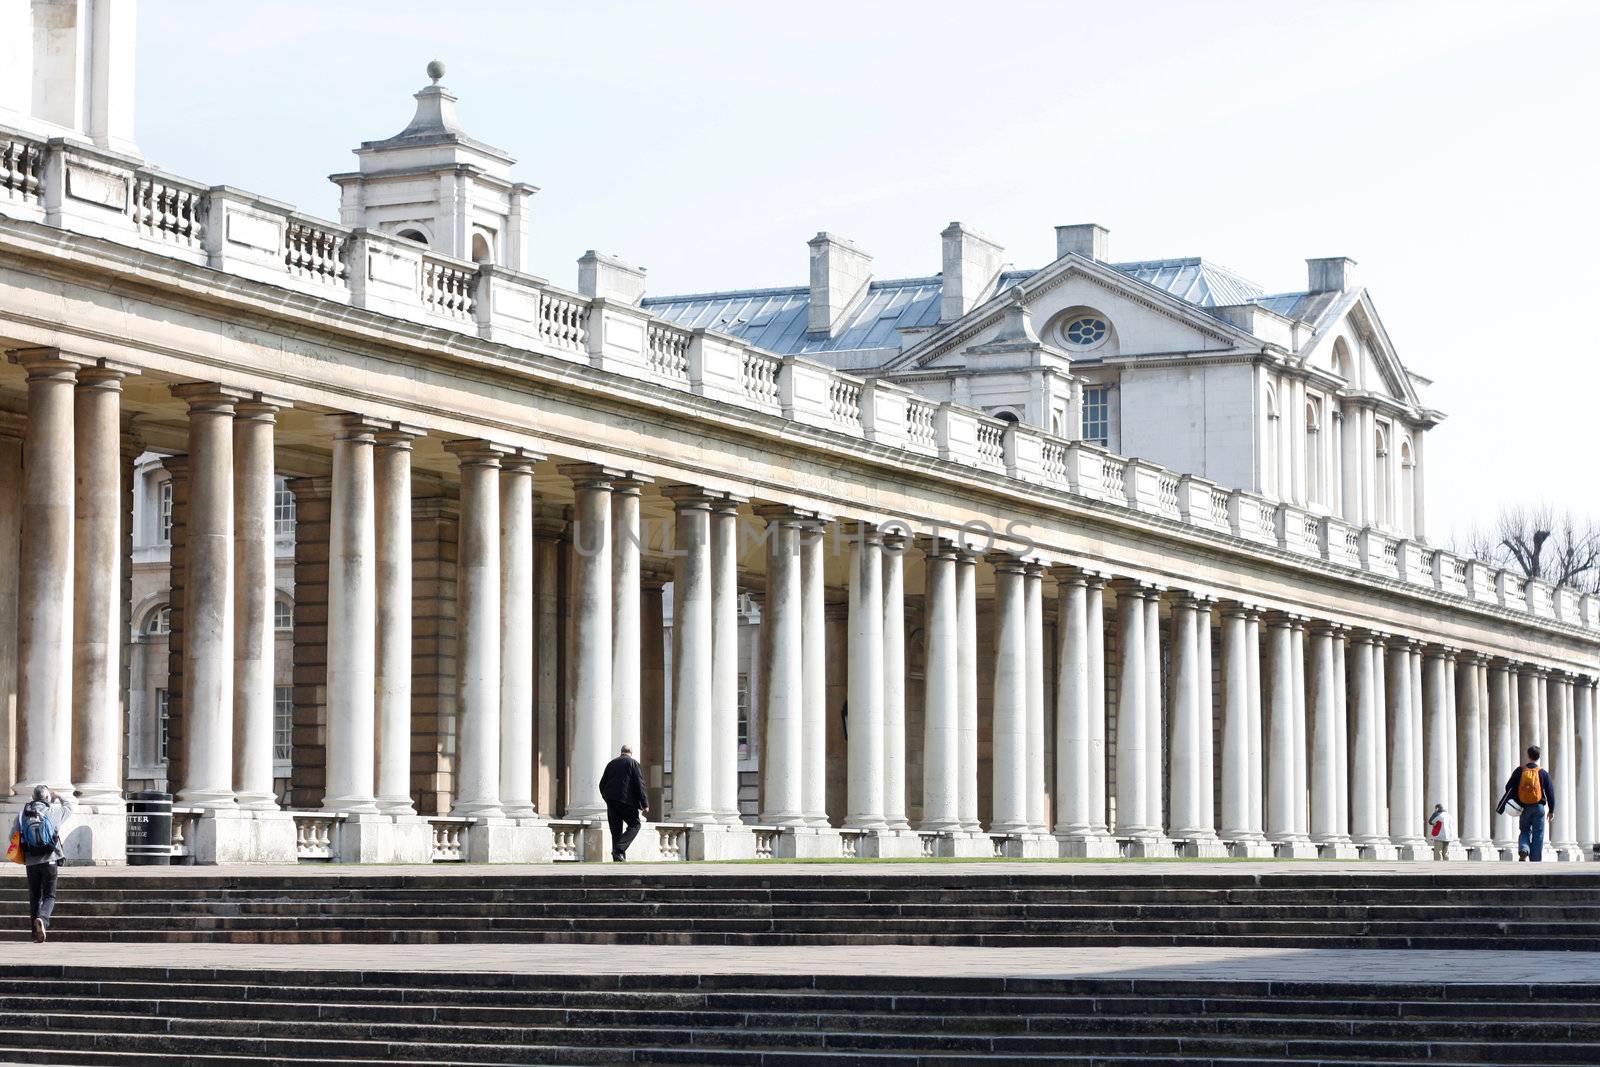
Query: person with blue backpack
(38,834)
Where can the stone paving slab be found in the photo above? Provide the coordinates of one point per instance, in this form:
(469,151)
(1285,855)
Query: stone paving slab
(907,869)
(1364,966)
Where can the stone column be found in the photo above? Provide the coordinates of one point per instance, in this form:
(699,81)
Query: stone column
(1154,727)
(692,725)
(894,682)
(784,767)
(208,600)
(1503,753)
(1010,698)
(1405,832)
(1438,767)
(813,757)
(517,608)
(1467,748)
(1282,781)
(1562,830)
(1327,727)
(652,683)
(1587,796)
(724,522)
(352,619)
(865,680)
(1208,719)
(1418,744)
(1077,832)
(1132,761)
(1239,783)
(12,429)
(1380,744)
(941,767)
(1341,737)
(44,579)
(1094,599)
(1365,752)
(1189,821)
(479,626)
(590,748)
(255,600)
(1302,733)
(626,544)
(392,489)
(97,632)
(967,686)
(551,657)
(1257,739)
(1033,595)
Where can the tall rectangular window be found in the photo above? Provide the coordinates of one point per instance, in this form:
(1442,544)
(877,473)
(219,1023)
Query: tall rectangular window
(744,716)
(1097,414)
(283,723)
(164,513)
(163,725)
(283,512)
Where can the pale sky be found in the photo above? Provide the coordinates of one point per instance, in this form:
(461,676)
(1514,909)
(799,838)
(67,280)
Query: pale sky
(1450,147)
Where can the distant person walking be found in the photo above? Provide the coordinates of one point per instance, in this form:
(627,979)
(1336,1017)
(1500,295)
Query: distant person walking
(1531,789)
(1441,831)
(37,834)
(622,788)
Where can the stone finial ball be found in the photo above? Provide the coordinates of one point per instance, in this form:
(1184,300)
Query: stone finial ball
(435,70)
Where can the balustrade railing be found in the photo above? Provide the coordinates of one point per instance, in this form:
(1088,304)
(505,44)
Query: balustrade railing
(168,212)
(1167,493)
(563,322)
(185,828)
(1113,478)
(667,351)
(928,844)
(451,837)
(672,840)
(844,401)
(568,843)
(316,835)
(21,170)
(991,443)
(758,376)
(850,843)
(766,841)
(316,252)
(447,288)
(920,424)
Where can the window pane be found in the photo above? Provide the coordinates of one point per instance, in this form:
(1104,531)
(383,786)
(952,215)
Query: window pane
(283,723)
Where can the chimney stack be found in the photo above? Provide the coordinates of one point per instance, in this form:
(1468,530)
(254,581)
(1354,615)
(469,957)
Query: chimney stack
(839,272)
(610,277)
(1332,275)
(971,264)
(1087,239)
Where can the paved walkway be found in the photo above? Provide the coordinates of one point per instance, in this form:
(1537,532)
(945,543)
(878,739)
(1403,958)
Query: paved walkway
(1185,964)
(907,868)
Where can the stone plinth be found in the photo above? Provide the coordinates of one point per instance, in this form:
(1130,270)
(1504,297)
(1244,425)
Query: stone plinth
(502,840)
(96,838)
(372,838)
(721,841)
(239,835)
(1087,846)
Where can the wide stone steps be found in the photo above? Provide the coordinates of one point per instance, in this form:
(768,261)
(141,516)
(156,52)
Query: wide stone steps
(203,1017)
(1509,908)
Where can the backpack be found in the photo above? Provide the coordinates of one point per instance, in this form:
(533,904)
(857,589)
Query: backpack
(1529,790)
(38,833)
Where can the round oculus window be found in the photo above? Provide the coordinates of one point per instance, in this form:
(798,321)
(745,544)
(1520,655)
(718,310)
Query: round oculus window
(1086,331)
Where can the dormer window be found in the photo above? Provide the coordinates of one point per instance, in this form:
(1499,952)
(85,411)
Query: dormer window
(1086,331)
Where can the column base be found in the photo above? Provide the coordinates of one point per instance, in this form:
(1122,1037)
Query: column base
(1413,850)
(1338,849)
(365,837)
(1089,846)
(721,841)
(1569,853)
(888,844)
(1377,849)
(502,840)
(1250,848)
(1030,845)
(231,835)
(1507,851)
(1294,848)
(1482,852)
(1147,847)
(97,835)
(806,842)
(1206,846)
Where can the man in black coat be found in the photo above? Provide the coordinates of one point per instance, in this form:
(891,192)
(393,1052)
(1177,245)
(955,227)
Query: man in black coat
(622,788)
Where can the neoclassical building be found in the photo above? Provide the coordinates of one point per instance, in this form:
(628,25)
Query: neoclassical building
(1088,559)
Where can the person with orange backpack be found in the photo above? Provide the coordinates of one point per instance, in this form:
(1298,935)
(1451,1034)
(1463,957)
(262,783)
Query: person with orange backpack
(1532,791)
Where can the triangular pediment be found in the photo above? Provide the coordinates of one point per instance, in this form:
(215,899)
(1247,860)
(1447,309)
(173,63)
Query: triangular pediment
(1140,319)
(1351,342)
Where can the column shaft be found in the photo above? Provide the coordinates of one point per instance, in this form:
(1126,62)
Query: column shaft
(1583,713)
(693,783)
(1302,738)
(478,623)
(590,748)
(97,583)
(1072,708)
(894,683)
(1154,727)
(865,681)
(1402,760)
(626,542)
(392,488)
(208,602)
(1094,599)
(1364,751)
(1033,596)
(1281,802)
(517,607)
(967,686)
(1473,789)
(254,639)
(1010,699)
(1437,768)
(1236,780)
(1256,740)
(784,760)
(1207,717)
(725,658)
(352,619)
(1185,721)
(813,757)
(1132,764)
(1326,727)
(941,767)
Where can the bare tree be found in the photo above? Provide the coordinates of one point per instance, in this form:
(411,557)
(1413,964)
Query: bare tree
(1540,542)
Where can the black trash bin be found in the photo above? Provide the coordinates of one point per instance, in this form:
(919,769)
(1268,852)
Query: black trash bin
(149,829)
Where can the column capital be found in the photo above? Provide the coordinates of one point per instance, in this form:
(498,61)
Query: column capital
(1077,572)
(1194,601)
(1501,663)
(399,436)
(1285,618)
(1474,657)
(1327,628)
(521,461)
(472,452)
(98,377)
(1007,562)
(209,396)
(786,514)
(593,475)
(45,362)
(1400,642)
(1238,609)
(685,496)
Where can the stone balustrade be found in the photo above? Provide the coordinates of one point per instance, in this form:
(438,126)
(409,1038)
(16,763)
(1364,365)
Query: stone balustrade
(451,837)
(316,835)
(569,839)
(242,233)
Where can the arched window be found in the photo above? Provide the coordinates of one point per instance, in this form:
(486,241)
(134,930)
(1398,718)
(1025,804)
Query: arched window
(1343,366)
(159,622)
(1314,455)
(1272,451)
(1380,485)
(1408,488)
(482,249)
(1006,416)
(282,615)
(413,234)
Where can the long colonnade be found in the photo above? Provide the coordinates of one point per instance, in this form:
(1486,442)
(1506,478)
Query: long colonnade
(1179,721)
